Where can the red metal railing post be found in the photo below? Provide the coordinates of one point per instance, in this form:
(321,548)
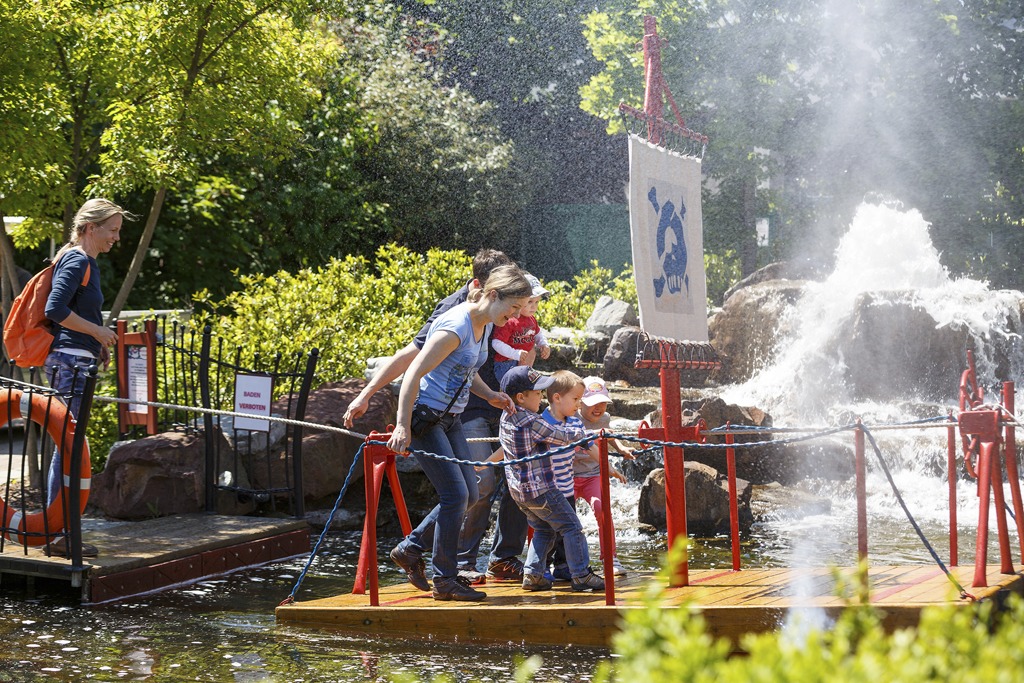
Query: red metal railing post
(951,475)
(675,471)
(981,544)
(862,505)
(605,527)
(1012,473)
(999,503)
(366,568)
(734,512)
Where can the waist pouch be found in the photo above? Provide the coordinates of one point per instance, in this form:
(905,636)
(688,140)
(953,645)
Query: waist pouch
(423,418)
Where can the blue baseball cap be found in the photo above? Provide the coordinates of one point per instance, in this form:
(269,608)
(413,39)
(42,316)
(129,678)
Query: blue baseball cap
(524,378)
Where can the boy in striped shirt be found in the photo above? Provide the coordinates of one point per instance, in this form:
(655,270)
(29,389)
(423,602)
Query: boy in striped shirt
(533,485)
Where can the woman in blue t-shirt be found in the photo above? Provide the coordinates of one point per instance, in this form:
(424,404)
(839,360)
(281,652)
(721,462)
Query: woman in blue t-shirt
(439,380)
(80,339)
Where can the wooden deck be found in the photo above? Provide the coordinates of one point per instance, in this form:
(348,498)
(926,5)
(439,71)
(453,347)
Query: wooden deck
(141,557)
(733,603)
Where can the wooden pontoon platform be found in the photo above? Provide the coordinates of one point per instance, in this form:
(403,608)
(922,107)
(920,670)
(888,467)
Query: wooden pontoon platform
(733,603)
(149,555)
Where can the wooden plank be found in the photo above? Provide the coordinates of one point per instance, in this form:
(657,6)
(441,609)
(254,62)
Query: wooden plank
(732,603)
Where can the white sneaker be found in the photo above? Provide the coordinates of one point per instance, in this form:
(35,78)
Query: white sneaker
(617,568)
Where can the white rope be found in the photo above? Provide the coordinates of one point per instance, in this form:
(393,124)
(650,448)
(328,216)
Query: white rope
(229,413)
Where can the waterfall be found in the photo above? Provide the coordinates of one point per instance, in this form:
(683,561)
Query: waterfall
(886,255)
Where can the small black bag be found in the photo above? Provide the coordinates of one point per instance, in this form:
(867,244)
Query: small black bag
(424,417)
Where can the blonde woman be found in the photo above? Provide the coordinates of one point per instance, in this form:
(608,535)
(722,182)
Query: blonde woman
(434,393)
(80,339)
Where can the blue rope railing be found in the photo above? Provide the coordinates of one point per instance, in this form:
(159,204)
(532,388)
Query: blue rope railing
(653,444)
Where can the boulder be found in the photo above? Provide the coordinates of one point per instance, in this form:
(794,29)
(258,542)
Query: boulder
(745,332)
(609,315)
(326,455)
(707,501)
(620,359)
(892,347)
(804,269)
(160,475)
(772,502)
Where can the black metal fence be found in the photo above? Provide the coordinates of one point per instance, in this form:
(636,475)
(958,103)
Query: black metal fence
(194,369)
(38,427)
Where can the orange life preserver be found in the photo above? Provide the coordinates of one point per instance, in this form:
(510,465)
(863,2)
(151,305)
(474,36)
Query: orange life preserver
(52,414)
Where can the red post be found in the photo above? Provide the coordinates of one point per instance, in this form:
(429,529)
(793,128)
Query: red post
(675,471)
(1012,473)
(366,570)
(951,475)
(1002,527)
(378,461)
(981,545)
(734,513)
(653,86)
(605,528)
(862,496)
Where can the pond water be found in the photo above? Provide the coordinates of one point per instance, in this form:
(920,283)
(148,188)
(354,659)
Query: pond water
(224,629)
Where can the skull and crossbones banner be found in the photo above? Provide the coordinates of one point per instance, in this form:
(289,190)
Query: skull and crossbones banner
(668,241)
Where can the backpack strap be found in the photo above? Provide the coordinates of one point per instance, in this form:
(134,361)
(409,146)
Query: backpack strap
(88,266)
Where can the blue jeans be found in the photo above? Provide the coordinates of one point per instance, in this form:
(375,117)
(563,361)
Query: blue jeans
(510,534)
(456,487)
(67,374)
(552,517)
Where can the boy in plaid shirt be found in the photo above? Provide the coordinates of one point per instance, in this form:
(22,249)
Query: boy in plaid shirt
(533,487)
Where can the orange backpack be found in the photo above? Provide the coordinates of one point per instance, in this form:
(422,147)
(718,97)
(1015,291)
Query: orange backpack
(27,333)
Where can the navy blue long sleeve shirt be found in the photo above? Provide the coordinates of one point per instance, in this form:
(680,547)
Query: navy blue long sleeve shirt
(67,296)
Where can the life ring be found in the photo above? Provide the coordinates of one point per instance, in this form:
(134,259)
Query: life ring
(35,526)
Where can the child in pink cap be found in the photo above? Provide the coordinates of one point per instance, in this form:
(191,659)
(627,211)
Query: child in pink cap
(587,473)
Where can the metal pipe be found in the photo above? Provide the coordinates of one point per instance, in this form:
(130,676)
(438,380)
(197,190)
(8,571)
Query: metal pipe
(981,544)
(605,530)
(951,480)
(1012,473)
(734,513)
(862,507)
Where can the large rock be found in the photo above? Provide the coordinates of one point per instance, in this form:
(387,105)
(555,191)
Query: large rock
(609,315)
(892,347)
(707,501)
(157,476)
(745,332)
(326,455)
(620,359)
(773,502)
(888,346)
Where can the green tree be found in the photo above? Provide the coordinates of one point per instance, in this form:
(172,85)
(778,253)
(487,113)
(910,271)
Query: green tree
(812,105)
(136,96)
(212,78)
(390,152)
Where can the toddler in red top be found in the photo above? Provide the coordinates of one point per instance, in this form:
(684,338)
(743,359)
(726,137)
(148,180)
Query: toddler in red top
(514,342)
(593,413)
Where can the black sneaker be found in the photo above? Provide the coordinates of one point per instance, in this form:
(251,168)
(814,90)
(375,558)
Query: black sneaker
(509,569)
(415,568)
(588,582)
(457,588)
(535,582)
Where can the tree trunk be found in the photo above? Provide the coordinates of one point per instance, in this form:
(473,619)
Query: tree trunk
(140,253)
(748,244)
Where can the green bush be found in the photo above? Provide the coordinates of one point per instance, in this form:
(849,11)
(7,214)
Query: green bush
(353,310)
(571,304)
(349,309)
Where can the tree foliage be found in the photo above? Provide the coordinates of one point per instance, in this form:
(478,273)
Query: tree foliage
(814,105)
